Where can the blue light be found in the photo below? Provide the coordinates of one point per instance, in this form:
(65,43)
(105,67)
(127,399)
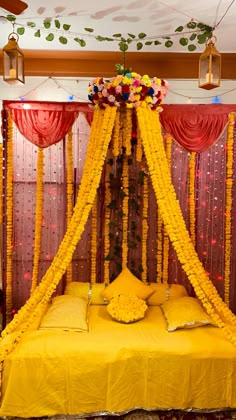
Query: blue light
(71,98)
(216,100)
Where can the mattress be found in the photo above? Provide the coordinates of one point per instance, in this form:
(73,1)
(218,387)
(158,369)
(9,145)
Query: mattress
(115,368)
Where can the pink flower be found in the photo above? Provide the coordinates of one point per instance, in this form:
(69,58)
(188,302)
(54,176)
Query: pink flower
(118,89)
(111,98)
(136,83)
(104,93)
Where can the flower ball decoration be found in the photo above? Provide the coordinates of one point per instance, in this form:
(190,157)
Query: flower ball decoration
(127,308)
(130,90)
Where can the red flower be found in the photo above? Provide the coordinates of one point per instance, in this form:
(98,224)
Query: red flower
(125,89)
(144,90)
(112,90)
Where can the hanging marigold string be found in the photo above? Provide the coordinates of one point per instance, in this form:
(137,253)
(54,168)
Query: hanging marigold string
(116,136)
(191,196)
(125,208)
(166,242)
(145,228)
(107,227)
(1,182)
(139,147)
(9,218)
(175,224)
(38,218)
(228,207)
(159,245)
(128,131)
(93,242)
(103,123)
(69,190)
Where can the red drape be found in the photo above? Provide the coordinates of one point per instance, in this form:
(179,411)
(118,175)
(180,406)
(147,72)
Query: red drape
(195,127)
(45,123)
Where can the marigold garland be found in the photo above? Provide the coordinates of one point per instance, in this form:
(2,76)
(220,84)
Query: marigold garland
(228,207)
(159,245)
(145,228)
(38,218)
(1,182)
(116,136)
(9,219)
(139,147)
(93,243)
(127,131)
(125,208)
(191,196)
(175,225)
(166,244)
(106,227)
(69,189)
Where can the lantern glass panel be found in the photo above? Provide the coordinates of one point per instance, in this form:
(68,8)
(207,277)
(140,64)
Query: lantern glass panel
(204,70)
(215,69)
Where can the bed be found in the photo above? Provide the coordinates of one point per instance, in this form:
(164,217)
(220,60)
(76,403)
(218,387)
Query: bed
(112,368)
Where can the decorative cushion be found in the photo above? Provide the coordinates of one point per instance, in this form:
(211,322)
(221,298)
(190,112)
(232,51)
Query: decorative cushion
(86,291)
(185,312)
(164,292)
(127,283)
(68,313)
(127,308)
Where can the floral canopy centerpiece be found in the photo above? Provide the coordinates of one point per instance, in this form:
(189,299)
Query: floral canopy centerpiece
(130,89)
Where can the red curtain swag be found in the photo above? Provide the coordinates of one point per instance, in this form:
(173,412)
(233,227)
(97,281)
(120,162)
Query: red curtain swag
(194,127)
(45,123)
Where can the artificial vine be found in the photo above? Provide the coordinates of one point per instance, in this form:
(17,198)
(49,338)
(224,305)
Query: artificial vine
(190,35)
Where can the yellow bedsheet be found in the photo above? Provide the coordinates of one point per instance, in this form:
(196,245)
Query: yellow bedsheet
(117,367)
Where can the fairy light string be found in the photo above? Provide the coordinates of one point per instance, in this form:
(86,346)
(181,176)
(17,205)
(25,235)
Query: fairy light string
(69,190)
(228,207)
(9,218)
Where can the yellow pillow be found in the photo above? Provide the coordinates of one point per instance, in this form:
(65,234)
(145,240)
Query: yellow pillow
(127,308)
(185,312)
(68,313)
(164,292)
(87,291)
(127,283)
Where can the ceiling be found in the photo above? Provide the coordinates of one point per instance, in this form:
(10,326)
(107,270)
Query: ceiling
(155,18)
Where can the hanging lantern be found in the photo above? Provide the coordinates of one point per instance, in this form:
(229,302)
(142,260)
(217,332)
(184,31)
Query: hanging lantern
(209,67)
(13,61)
